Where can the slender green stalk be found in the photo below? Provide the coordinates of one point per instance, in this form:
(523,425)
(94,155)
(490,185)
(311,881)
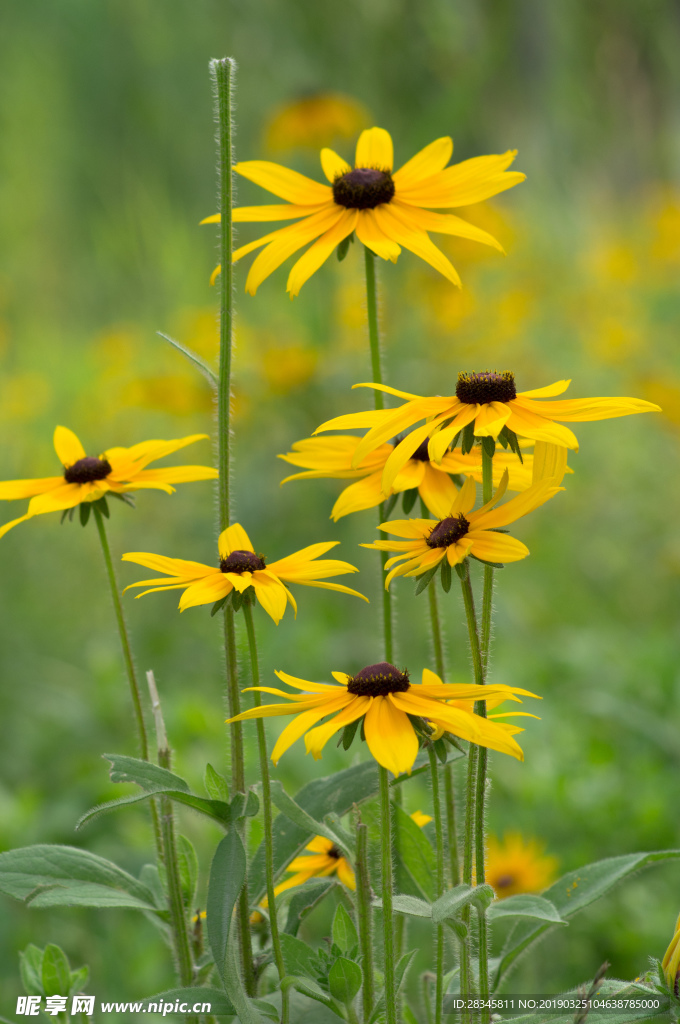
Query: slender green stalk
(439,929)
(387,891)
(425,980)
(267,814)
(178,917)
(451,824)
(365,917)
(379,399)
(223,72)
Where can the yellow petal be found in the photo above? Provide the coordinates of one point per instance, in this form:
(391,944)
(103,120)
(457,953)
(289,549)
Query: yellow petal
(428,161)
(172,566)
(205,591)
(289,185)
(289,240)
(547,392)
(375,149)
(67,446)
(214,218)
(271,595)
(251,214)
(333,165)
(416,528)
(517,507)
(332,586)
(410,476)
(65,496)
(579,410)
(403,452)
(306,685)
(345,874)
(527,423)
(465,498)
(300,560)
(491,419)
(550,462)
(234,538)
(390,736)
(366,493)
(371,235)
(295,729)
(438,491)
(496,547)
(319,252)
(13,489)
(174,475)
(439,442)
(317,739)
(352,420)
(395,226)
(446,224)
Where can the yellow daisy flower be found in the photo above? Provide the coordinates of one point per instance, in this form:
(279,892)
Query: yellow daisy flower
(240,568)
(462,532)
(312,121)
(671,961)
(387,209)
(518,865)
(88,478)
(334,457)
(421,819)
(384,698)
(487,401)
(326,860)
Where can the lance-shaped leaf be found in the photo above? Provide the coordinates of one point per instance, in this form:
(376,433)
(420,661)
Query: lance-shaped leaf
(525,905)
(452,902)
(416,863)
(46,875)
(301,818)
(298,957)
(343,931)
(573,893)
(410,905)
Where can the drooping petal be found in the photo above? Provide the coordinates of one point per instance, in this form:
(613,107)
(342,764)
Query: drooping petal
(289,185)
(234,538)
(517,507)
(527,423)
(366,493)
(332,586)
(439,442)
(550,462)
(446,224)
(403,452)
(316,740)
(496,547)
(297,728)
(374,238)
(271,595)
(396,420)
(333,165)
(353,420)
(396,226)
(465,498)
(289,240)
(67,446)
(346,875)
(319,252)
(437,490)
(375,149)
(390,736)
(10,490)
(65,496)
(491,419)
(205,591)
(579,410)
(424,164)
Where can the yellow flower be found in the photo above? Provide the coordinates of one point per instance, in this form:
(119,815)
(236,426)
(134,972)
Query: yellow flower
(384,698)
(326,860)
(462,532)
(421,819)
(88,478)
(333,457)
(240,568)
(387,209)
(671,961)
(518,865)
(487,400)
(491,702)
(313,121)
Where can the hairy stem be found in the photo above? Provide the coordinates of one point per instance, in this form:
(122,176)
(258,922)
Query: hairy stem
(439,928)
(387,890)
(267,815)
(365,917)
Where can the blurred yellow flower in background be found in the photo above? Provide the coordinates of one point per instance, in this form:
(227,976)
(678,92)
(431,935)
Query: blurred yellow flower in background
(87,478)
(518,865)
(671,961)
(326,860)
(313,121)
(240,568)
(387,209)
(421,819)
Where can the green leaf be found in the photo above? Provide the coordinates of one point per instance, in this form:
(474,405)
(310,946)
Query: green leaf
(489,446)
(30,969)
(56,973)
(446,575)
(348,734)
(408,1014)
(227,872)
(344,933)
(343,247)
(573,893)
(298,957)
(408,499)
(494,565)
(344,979)
(452,902)
(215,785)
(78,980)
(525,905)
(389,505)
(218,605)
(400,970)
(192,357)
(426,578)
(244,805)
(103,506)
(301,818)
(84,508)
(268,1009)
(304,899)
(49,875)
(467,438)
(410,905)
(309,988)
(440,750)
(220,1003)
(155,781)
(150,877)
(415,857)
(187,861)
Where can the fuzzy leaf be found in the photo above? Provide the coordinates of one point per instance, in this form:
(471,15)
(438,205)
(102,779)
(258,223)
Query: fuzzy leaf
(304,899)
(423,581)
(410,905)
(30,969)
(344,933)
(215,785)
(414,856)
(452,902)
(301,818)
(344,980)
(525,905)
(298,957)
(187,862)
(227,872)
(56,973)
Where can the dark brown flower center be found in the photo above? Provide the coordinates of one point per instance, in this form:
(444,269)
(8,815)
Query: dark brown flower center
(87,470)
(364,188)
(335,853)
(242,561)
(378,680)
(448,531)
(480,388)
(504,882)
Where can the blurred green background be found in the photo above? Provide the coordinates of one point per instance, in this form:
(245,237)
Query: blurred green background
(107,168)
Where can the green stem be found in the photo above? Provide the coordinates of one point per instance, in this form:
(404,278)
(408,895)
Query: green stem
(267,815)
(365,917)
(439,930)
(387,890)
(178,917)
(223,72)
(425,981)
(379,400)
(451,824)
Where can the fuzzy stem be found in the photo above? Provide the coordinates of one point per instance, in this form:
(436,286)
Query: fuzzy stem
(365,917)
(379,400)
(267,814)
(451,824)
(387,889)
(439,929)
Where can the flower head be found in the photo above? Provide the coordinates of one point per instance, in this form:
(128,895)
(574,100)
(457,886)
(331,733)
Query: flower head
(487,401)
(326,860)
(89,478)
(386,699)
(518,865)
(334,457)
(421,819)
(671,961)
(387,209)
(240,568)
(462,532)
(312,121)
